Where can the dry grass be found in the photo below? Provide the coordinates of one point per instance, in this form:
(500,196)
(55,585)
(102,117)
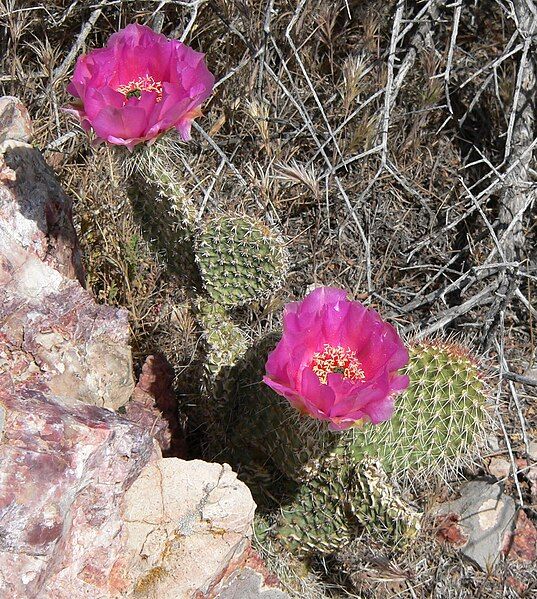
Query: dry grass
(373,133)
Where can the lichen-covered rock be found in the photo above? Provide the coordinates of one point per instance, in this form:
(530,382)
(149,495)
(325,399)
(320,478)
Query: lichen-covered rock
(15,123)
(248,579)
(478,521)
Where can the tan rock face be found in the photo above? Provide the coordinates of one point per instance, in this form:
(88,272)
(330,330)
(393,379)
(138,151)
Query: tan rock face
(88,507)
(186,521)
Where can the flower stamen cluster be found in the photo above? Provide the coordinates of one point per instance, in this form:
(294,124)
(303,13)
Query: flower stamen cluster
(337,359)
(145,83)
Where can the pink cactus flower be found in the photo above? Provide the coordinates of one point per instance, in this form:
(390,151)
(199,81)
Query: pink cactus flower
(337,360)
(141,85)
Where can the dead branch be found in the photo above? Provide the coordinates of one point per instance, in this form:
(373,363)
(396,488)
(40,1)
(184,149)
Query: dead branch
(517,193)
(61,71)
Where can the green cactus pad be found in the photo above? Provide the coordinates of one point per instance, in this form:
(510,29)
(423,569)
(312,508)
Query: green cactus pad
(241,260)
(342,502)
(437,424)
(157,166)
(438,421)
(225,342)
(265,424)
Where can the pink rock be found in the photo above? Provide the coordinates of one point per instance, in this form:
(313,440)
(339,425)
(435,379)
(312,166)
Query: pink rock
(33,206)
(51,327)
(450,531)
(499,467)
(64,470)
(88,507)
(521,543)
(154,406)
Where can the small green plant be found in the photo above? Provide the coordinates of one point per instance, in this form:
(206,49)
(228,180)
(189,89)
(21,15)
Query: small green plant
(224,341)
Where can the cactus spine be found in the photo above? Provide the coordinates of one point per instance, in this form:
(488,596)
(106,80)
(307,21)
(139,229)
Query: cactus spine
(437,425)
(342,501)
(438,421)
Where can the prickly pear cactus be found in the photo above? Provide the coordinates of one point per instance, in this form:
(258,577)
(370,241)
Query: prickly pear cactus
(225,342)
(438,421)
(240,259)
(157,165)
(265,423)
(341,502)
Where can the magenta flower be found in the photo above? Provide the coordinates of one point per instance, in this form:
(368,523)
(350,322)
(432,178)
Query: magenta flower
(141,85)
(337,360)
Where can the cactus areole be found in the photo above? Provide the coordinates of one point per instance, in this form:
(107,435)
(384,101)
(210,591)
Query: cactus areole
(337,360)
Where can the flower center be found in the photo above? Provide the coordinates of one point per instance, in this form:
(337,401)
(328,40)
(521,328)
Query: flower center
(337,359)
(134,89)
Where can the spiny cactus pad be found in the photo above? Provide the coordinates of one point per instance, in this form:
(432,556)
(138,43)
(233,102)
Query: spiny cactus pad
(264,424)
(156,165)
(241,259)
(225,342)
(437,425)
(438,421)
(341,502)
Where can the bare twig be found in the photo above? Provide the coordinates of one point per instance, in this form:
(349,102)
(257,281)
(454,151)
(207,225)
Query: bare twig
(61,71)
(447,316)
(519,378)
(452,44)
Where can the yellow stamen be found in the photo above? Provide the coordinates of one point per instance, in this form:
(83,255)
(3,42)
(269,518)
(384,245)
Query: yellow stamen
(337,359)
(142,84)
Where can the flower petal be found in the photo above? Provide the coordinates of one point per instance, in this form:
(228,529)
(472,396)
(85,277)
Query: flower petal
(138,54)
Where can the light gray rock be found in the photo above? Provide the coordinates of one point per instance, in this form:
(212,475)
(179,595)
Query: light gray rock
(485,515)
(247,583)
(15,123)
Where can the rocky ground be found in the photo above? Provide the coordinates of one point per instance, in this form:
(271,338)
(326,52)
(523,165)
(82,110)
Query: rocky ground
(89,507)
